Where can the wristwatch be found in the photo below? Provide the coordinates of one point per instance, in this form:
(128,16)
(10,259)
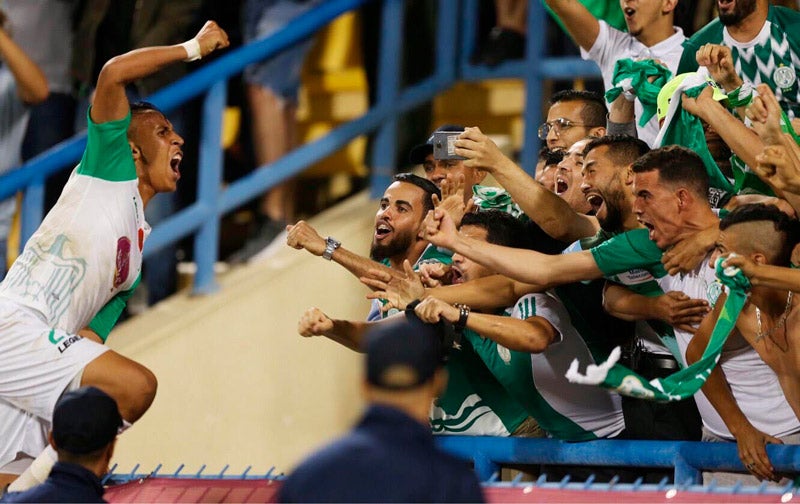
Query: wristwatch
(331,244)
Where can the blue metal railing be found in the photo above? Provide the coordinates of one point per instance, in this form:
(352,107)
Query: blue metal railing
(201,219)
(686,457)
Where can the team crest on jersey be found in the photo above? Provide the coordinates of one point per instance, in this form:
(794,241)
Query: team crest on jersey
(713,291)
(53,285)
(123,261)
(504,353)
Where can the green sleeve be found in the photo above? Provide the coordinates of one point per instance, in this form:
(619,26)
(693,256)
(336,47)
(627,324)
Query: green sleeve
(688,62)
(107,317)
(108,154)
(629,250)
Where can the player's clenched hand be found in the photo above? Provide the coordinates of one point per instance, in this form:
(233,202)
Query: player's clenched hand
(314,323)
(438,228)
(717,58)
(679,310)
(765,115)
(211,37)
(431,310)
(778,167)
(434,274)
(303,236)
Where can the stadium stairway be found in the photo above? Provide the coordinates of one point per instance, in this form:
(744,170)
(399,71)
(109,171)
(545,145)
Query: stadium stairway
(237,384)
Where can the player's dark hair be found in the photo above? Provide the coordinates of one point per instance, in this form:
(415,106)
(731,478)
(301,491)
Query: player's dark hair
(622,149)
(594,112)
(676,166)
(424,184)
(501,227)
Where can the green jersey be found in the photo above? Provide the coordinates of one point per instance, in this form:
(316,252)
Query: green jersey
(770,58)
(564,410)
(474,402)
(632,259)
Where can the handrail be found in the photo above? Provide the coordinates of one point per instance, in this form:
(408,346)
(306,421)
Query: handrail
(688,458)
(202,217)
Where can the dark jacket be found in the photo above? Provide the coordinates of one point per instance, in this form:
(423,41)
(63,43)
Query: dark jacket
(66,483)
(387,457)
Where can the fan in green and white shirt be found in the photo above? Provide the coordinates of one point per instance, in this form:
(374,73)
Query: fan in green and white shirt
(771,57)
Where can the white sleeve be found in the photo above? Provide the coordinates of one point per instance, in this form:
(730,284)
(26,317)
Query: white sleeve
(541,305)
(606,50)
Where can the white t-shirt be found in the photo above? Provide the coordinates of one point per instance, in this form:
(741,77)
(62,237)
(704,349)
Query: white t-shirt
(613,45)
(754,385)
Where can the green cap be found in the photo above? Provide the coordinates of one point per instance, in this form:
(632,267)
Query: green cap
(665,95)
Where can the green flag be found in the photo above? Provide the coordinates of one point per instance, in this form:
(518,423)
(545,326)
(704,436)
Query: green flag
(682,128)
(687,381)
(495,198)
(636,75)
(610,12)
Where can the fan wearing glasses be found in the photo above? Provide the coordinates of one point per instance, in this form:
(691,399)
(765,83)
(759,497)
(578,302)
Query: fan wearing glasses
(573,115)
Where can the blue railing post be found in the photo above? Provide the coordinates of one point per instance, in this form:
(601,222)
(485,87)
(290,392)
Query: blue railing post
(534,56)
(32,209)
(469,31)
(206,241)
(384,148)
(447,52)
(686,472)
(484,467)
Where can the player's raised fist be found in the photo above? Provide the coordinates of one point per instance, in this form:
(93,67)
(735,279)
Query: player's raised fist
(211,37)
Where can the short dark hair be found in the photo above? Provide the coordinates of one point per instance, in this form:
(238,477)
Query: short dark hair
(501,227)
(144,106)
(622,149)
(140,107)
(676,165)
(552,156)
(594,112)
(786,226)
(424,184)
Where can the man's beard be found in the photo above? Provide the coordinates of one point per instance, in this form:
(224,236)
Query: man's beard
(742,9)
(612,222)
(397,246)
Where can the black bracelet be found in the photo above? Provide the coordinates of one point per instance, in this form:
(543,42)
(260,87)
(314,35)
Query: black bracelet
(413,304)
(463,313)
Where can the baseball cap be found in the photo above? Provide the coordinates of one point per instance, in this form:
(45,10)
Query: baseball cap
(85,420)
(665,95)
(403,352)
(419,152)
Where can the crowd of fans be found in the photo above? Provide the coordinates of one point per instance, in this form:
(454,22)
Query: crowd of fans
(685,173)
(654,209)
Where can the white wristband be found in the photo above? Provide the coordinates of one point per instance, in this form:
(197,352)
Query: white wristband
(192,48)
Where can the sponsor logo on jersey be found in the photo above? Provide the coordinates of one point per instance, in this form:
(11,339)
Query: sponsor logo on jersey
(635,277)
(62,343)
(67,342)
(123,261)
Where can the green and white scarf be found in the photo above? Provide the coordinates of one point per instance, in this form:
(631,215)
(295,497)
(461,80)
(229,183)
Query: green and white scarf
(629,74)
(687,381)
